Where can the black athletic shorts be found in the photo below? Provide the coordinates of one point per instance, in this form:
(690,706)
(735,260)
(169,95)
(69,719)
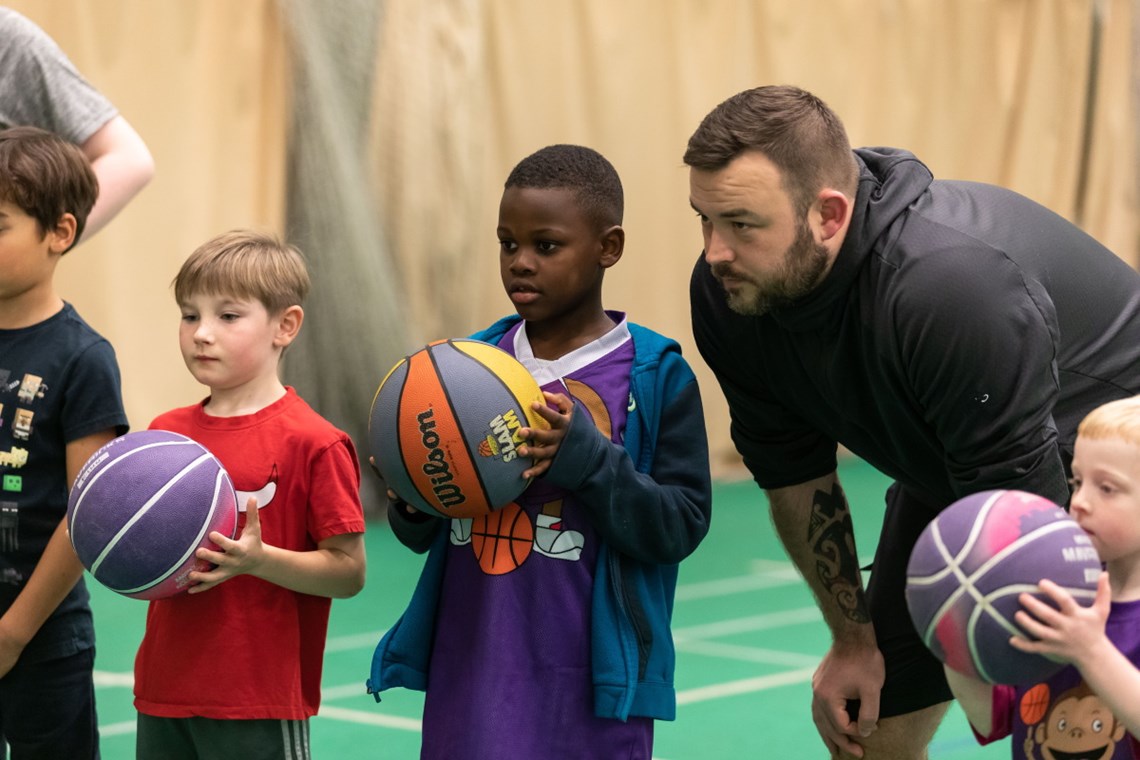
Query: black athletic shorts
(47,708)
(212,739)
(915,679)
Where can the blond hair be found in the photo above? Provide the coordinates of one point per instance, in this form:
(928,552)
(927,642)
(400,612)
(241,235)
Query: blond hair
(245,264)
(1116,419)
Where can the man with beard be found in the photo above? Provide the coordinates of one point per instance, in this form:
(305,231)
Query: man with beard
(952,334)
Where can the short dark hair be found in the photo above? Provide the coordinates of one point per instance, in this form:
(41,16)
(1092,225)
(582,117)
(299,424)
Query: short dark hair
(585,172)
(47,177)
(794,129)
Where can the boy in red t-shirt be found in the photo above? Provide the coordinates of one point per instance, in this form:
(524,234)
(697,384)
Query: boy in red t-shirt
(232,668)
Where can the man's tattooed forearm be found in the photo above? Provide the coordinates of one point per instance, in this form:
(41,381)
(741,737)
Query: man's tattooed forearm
(832,538)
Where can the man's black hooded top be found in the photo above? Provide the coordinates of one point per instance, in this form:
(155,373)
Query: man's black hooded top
(960,337)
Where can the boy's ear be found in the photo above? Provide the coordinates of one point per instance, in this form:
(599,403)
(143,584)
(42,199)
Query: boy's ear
(62,236)
(613,243)
(288,325)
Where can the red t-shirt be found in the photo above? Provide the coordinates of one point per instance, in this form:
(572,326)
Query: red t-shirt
(249,649)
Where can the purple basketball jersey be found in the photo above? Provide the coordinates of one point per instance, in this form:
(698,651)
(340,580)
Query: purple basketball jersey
(1061,717)
(510,671)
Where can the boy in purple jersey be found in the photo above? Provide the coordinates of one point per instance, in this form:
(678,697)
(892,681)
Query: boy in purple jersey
(1087,710)
(568,654)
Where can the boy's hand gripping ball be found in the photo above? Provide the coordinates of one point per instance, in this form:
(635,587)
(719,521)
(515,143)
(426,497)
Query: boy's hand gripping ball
(444,427)
(971,563)
(142,505)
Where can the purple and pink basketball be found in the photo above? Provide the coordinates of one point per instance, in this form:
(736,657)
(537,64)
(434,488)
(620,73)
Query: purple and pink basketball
(142,506)
(971,564)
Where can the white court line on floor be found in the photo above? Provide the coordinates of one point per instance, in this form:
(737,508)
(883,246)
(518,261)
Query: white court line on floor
(374,719)
(117,729)
(744,686)
(105,678)
(369,718)
(772,566)
(748,624)
(686,697)
(747,653)
(347,691)
(741,584)
(354,641)
(693,639)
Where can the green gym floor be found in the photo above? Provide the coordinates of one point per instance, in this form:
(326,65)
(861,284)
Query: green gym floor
(748,638)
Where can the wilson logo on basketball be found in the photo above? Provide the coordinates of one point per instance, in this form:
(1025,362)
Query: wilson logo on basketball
(436,468)
(503,438)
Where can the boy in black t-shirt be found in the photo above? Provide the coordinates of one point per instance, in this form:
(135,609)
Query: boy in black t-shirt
(60,400)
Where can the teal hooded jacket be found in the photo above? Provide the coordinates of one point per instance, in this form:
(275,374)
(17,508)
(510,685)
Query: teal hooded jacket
(650,502)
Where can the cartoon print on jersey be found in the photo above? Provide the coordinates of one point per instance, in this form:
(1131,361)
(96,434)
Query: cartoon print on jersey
(28,390)
(9,542)
(1077,725)
(264,494)
(31,388)
(22,424)
(9,522)
(501,540)
(550,536)
(461,531)
(503,439)
(551,539)
(14,457)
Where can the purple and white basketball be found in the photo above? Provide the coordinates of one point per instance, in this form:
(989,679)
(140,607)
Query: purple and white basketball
(142,505)
(971,563)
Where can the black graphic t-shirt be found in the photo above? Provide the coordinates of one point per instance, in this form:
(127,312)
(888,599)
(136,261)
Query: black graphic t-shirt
(59,382)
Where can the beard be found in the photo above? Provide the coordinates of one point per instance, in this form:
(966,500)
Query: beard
(804,263)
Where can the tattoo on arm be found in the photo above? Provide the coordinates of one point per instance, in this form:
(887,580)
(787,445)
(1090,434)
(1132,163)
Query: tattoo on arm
(832,538)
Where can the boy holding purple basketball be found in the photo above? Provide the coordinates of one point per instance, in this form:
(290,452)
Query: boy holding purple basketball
(60,401)
(232,668)
(568,653)
(1087,710)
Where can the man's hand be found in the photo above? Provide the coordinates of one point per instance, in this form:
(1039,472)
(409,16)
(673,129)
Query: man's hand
(847,674)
